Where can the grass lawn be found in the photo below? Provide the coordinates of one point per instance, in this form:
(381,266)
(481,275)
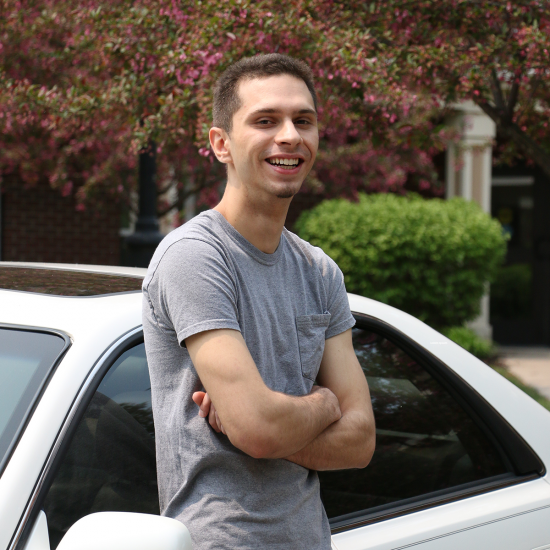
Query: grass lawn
(527,389)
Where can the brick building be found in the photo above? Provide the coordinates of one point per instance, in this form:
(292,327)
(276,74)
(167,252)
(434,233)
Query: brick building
(39,225)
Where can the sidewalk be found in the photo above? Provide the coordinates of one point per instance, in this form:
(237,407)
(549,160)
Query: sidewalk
(530,365)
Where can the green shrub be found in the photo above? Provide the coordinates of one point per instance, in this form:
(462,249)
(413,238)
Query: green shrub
(430,258)
(511,292)
(470,341)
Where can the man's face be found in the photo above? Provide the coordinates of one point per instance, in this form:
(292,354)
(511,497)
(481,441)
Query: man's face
(274,138)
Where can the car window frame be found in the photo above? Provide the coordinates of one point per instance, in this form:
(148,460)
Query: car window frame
(105,361)
(41,388)
(518,456)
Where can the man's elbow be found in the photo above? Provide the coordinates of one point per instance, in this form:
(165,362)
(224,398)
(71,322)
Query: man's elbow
(366,447)
(368,452)
(256,442)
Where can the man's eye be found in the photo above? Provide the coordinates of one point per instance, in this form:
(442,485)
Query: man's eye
(264,121)
(303,121)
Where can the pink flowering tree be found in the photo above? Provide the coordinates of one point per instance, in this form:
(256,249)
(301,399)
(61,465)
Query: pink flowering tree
(494,53)
(85,86)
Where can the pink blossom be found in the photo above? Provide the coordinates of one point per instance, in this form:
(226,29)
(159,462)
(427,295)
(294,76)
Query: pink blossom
(67,189)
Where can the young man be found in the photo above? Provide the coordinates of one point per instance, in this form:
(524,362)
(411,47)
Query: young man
(251,323)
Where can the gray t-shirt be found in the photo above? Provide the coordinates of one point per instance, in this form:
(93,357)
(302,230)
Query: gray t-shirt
(205,275)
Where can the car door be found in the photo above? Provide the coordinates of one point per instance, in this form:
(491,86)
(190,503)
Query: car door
(106,460)
(447,473)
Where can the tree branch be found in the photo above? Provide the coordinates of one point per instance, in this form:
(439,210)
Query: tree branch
(512,100)
(164,211)
(536,83)
(164,189)
(490,111)
(179,202)
(512,131)
(497,90)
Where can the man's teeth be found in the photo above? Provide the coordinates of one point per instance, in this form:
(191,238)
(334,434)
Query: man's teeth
(286,162)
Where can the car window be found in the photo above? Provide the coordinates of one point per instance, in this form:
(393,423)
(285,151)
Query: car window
(26,359)
(425,441)
(110,462)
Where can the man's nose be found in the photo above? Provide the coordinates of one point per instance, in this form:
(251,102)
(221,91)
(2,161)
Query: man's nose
(288,134)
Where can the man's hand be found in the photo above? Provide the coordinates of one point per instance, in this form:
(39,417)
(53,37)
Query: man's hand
(206,408)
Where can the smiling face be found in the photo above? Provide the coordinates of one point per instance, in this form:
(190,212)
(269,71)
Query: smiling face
(274,137)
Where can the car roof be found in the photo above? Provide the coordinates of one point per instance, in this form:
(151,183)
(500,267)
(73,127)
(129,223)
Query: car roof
(106,307)
(69,280)
(106,269)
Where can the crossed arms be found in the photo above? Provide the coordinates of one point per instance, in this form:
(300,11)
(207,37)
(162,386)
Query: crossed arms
(331,428)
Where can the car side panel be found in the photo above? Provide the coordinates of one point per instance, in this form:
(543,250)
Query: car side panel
(514,518)
(521,532)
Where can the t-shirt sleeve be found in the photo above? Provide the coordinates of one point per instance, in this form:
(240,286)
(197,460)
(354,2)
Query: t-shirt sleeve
(341,318)
(193,290)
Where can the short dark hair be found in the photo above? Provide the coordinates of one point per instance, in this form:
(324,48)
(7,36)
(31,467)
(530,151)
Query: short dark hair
(226,96)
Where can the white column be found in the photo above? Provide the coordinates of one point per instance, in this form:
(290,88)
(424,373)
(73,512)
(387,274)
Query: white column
(477,130)
(466,174)
(450,171)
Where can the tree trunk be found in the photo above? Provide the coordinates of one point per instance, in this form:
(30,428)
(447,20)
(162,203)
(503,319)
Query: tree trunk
(524,143)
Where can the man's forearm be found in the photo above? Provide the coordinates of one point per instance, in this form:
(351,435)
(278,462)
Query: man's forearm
(347,443)
(285,424)
(259,421)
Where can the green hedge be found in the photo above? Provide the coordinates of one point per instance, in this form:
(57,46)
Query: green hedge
(431,258)
(470,341)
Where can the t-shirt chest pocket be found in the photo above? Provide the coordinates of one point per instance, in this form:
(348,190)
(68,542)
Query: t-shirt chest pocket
(311,341)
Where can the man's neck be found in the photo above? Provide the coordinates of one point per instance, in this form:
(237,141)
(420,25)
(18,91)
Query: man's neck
(260,223)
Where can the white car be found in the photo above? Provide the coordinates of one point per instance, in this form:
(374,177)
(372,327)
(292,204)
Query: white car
(461,458)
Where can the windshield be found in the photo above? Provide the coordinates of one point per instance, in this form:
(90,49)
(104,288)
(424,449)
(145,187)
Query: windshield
(26,359)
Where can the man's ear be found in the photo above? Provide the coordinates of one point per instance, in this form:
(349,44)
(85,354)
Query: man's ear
(219,141)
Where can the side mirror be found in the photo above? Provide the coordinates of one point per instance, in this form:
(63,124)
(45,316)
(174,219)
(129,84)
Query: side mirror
(126,531)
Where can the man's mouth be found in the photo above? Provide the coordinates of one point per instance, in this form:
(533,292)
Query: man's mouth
(288,164)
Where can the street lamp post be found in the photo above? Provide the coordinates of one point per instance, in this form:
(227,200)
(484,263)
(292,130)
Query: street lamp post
(142,243)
